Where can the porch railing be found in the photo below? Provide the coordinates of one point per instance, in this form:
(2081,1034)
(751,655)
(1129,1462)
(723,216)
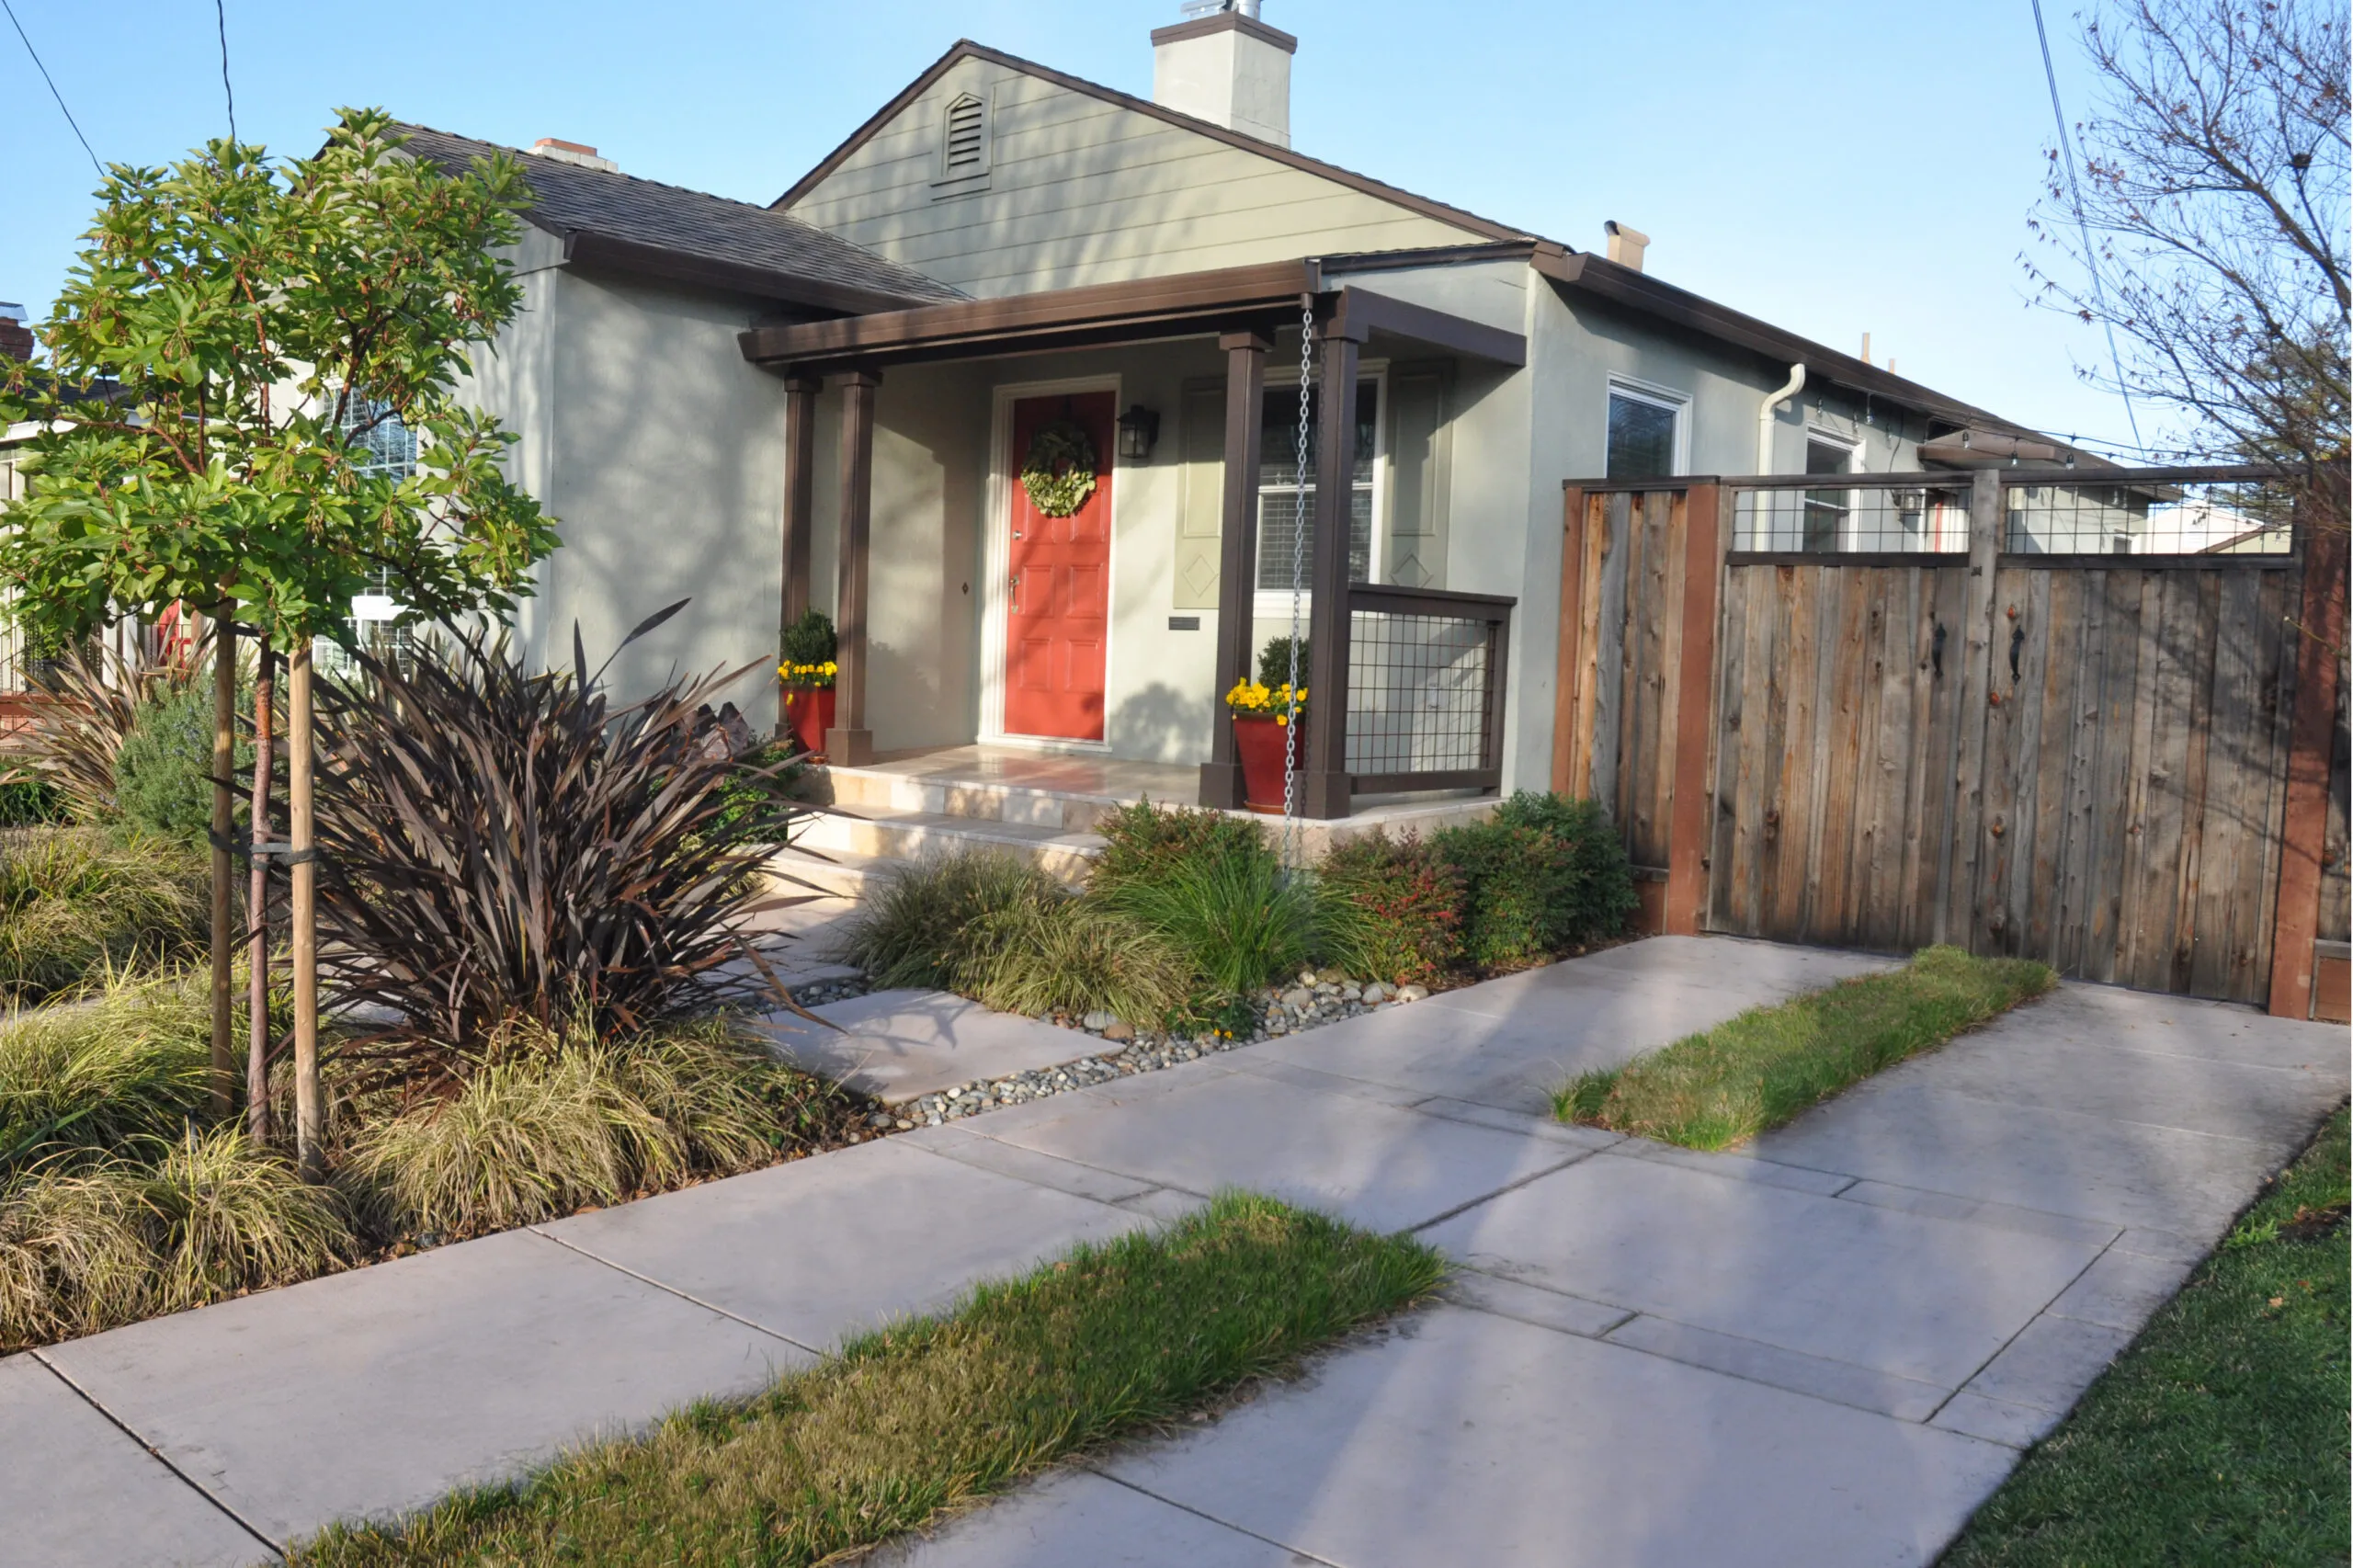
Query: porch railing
(1426,671)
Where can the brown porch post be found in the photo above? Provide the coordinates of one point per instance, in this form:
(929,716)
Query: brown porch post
(800,503)
(1245,380)
(850,744)
(1324,781)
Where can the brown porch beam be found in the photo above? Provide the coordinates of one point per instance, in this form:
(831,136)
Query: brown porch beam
(1324,781)
(1373,313)
(850,743)
(800,503)
(886,333)
(1245,380)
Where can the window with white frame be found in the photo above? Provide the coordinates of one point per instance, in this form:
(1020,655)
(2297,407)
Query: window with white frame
(1282,502)
(1646,432)
(1827,510)
(382,446)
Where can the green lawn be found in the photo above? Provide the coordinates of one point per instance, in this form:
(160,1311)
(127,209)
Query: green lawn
(937,1412)
(1711,1090)
(2220,1435)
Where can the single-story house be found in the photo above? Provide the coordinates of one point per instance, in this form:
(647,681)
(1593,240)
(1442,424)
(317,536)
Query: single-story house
(831,402)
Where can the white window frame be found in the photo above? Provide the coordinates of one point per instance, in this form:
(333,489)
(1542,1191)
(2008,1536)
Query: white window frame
(1675,401)
(1274,603)
(1821,436)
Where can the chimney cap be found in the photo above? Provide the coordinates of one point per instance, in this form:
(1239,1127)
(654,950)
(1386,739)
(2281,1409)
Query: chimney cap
(12,311)
(1626,245)
(564,151)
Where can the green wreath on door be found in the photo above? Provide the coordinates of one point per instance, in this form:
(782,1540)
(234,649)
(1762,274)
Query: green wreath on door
(1059,472)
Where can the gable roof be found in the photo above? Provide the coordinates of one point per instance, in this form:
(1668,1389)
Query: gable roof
(965,48)
(666,231)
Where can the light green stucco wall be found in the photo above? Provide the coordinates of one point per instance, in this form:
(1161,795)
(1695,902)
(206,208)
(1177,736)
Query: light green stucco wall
(1080,190)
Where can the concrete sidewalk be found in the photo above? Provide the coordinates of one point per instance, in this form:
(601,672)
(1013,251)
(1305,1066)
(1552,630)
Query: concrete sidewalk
(1825,1350)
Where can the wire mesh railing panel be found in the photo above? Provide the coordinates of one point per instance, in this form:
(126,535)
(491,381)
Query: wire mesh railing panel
(1419,693)
(1847,519)
(2234,518)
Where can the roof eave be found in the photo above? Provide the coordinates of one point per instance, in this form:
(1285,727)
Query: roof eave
(587,247)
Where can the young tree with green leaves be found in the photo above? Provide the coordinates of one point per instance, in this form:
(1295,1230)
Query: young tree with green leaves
(232,335)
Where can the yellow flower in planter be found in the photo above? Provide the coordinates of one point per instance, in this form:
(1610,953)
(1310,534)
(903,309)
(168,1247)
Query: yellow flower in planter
(1253,700)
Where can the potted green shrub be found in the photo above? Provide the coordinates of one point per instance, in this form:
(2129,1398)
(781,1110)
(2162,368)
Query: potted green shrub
(806,668)
(1264,712)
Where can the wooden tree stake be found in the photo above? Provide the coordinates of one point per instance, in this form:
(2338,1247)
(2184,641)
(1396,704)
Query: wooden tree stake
(310,1102)
(225,806)
(257,913)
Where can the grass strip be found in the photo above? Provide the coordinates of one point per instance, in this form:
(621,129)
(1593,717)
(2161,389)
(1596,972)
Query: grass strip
(937,1411)
(1713,1089)
(2219,1436)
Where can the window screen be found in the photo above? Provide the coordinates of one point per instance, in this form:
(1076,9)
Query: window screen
(1641,438)
(1826,510)
(1280,495)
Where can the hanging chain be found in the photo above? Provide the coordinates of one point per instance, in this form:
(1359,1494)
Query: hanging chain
(1298,580)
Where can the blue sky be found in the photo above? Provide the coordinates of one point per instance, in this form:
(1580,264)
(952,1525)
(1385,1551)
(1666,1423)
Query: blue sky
(1838,168)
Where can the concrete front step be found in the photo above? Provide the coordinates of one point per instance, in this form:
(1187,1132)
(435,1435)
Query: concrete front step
(870,789)
(794,872)
(884,833)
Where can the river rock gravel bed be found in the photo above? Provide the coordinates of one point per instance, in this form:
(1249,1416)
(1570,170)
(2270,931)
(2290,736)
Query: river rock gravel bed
(1308,1003)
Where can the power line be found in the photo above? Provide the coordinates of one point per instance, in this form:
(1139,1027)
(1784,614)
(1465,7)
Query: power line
(2075,193)
(221,15)
(52,87)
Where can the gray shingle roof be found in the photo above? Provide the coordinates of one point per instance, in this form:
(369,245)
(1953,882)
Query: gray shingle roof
(666,230)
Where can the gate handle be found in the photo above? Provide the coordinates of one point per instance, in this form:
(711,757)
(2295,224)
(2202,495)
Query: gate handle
(2018,641)
(1937,651)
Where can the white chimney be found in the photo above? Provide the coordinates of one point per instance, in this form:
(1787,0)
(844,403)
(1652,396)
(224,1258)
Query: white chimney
(573,152)
(1626,245)
(1224,65)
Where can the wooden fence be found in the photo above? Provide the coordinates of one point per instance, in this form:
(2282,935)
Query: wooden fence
(2099,761)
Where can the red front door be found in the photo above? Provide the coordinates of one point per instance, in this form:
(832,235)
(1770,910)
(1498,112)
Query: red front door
(1059,601)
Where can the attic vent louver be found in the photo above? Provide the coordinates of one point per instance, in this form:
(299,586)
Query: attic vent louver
(964,146)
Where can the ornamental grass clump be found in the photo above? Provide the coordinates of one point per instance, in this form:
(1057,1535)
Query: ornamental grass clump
(1212,884)
(120,1074)
(551,1123)
(919,926)
(77,903)
(1070,955)
(89,1248)
(496,846)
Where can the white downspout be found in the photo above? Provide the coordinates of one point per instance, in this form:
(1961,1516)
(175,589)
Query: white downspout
(1772,404)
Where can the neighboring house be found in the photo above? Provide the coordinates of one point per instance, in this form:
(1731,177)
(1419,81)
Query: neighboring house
(828,401)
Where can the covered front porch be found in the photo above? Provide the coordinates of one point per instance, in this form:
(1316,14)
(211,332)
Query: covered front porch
(1120,663)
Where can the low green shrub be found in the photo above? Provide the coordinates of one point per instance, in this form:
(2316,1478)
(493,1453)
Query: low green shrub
(1598,898)
(1275,663)
(1512,878)
(757,798)
(1237,918)
(1390,909)
(120,1074)
(1544,873)
(1065,954)
(1143,842)
(78,902)
(917,927)
(163,774)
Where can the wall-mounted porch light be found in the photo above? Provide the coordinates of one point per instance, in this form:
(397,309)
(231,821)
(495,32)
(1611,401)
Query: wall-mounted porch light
(1138,428)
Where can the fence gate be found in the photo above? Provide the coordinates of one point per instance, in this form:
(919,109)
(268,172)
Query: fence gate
(2020,711)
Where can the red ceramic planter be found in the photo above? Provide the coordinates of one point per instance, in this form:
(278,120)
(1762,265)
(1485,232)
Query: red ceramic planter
(810,712)
(1258,742)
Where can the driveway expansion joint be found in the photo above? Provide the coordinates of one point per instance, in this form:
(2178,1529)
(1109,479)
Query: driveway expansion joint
(669,1289)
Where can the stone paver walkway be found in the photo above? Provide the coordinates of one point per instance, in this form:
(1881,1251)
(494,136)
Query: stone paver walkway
(1824,1350)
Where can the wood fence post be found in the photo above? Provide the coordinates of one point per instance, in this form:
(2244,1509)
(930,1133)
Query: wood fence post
(1571,625)
(1965,824)
(1687,834)
(2304,825)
